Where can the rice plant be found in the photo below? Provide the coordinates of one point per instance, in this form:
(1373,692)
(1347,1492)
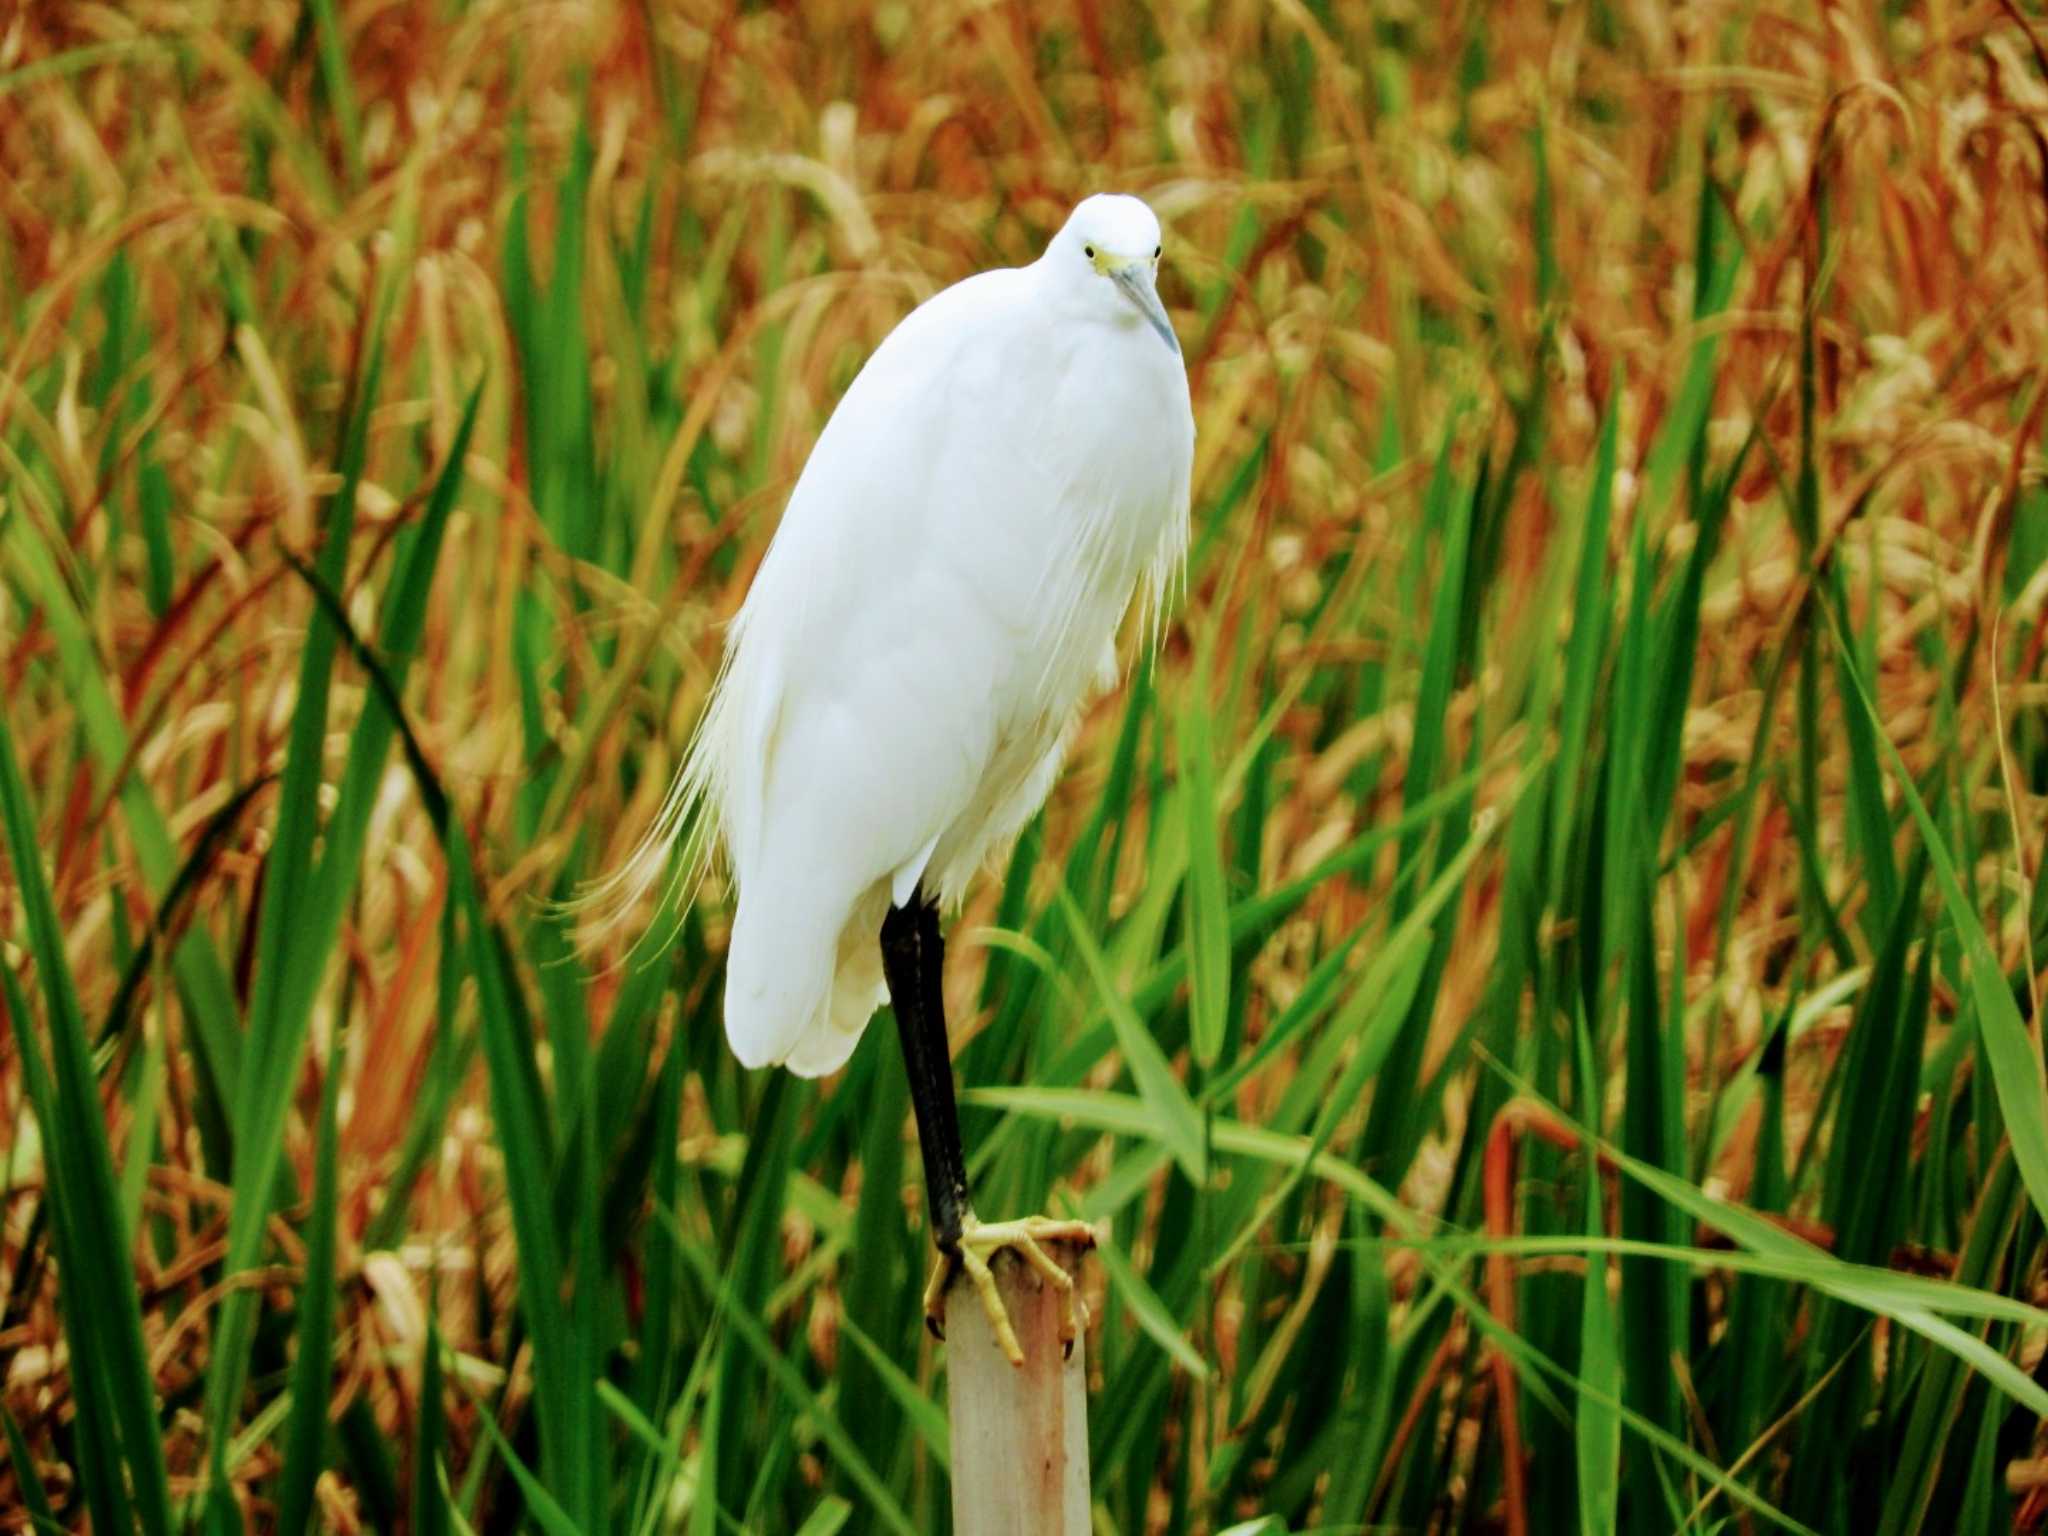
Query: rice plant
(1537,982)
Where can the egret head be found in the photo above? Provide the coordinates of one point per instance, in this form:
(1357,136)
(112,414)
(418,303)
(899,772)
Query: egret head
(1107,255)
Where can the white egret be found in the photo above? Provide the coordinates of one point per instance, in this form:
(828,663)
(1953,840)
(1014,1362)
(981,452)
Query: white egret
(1005,474)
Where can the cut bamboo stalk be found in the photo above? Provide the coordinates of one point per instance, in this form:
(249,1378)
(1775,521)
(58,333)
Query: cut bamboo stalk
(1020,1433)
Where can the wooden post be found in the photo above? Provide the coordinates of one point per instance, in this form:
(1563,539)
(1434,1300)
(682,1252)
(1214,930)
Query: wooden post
(1020,1434)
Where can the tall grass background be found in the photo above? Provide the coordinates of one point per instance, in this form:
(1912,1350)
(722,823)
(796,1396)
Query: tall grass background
(1537,979)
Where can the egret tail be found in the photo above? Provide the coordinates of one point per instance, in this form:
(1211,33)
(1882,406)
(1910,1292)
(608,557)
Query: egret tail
(803,974)
(677,850)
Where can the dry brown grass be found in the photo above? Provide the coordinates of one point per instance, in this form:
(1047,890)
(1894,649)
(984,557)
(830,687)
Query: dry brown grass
(197,227)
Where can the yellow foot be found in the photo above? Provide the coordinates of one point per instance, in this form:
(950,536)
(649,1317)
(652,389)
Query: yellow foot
(979,1242)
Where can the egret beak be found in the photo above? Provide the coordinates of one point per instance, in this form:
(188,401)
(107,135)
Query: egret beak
(1135,279)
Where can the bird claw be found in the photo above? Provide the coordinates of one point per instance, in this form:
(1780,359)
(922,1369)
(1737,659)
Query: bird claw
(979,1243)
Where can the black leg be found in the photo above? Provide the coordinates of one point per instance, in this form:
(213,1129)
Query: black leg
(913,961)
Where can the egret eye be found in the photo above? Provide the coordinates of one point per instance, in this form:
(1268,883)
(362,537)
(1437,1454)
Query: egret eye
(1088,251)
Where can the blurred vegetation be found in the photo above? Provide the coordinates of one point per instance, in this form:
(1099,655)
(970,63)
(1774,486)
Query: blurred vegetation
(1594,780)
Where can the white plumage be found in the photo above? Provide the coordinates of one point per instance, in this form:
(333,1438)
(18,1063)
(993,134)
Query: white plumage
(941,598)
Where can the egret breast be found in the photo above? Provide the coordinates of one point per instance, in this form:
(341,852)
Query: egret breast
(1084,500)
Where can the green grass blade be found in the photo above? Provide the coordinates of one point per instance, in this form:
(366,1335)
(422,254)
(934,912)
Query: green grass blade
(1407,944)
(153,512)
(1681,442)
(305,1439)
(1868,818)
(34,1497)
(1653,1326)
(2011,1051)
(654,1370)
(1945,1298)
(924,1415)
(210,1006)
(1179,1123)
(143,1087)
(341,99)
(1207,929)
(1592,617)
(790,1382)
(103,1312)
(1450,508)
(401,622)
(1938,1401)
(827,1518)
(1153,1317)
(540,1504)
(430,1511)
(1881,1292)
(1124,1115)
(1597,1440)
(281,989)
(1374,1014)
(519,1112)
(96,1439)
(1878,1292)
(178,899)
